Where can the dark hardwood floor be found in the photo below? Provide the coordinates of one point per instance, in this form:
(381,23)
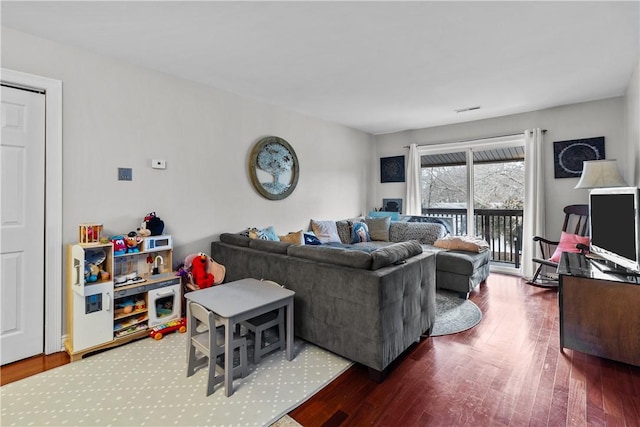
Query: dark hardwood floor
(34,365)
(507,371)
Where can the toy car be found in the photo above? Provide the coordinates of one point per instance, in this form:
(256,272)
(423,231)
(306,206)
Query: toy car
(159,331)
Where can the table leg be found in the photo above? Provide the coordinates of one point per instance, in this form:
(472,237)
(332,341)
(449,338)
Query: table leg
(290,329)
(188,331)
(228,356)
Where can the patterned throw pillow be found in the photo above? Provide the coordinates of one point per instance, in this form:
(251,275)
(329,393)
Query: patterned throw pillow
(344,230)
(311,239)
(360,233)
(268,233)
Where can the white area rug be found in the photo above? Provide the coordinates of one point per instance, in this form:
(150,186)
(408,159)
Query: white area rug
(144,383)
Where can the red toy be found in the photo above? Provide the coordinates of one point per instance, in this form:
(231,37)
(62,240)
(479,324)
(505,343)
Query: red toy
(201,277)
(159,331)
(119,245)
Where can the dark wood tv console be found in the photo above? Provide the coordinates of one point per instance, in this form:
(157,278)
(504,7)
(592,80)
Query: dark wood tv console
(599,312)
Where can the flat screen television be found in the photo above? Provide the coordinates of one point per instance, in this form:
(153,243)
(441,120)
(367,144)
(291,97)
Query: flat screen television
(614,218)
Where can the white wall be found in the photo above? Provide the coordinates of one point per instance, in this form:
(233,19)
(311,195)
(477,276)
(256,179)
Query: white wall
(632,129)
(118,115)
(585,120)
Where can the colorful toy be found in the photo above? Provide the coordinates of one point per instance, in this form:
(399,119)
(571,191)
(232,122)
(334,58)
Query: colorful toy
(92,261)
(91,272)
(119,245)
(132,241)
(143,231)
(89,233)
(127,306)
(159,331)
(201,277)
(154,224)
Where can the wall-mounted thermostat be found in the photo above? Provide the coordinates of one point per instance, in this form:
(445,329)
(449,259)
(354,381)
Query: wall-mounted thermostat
(158,164)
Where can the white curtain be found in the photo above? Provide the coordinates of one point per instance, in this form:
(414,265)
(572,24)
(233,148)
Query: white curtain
(534,206)
(414,202)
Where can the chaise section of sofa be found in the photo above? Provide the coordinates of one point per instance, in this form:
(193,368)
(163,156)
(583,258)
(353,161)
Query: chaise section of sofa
(461,271)
(370,316)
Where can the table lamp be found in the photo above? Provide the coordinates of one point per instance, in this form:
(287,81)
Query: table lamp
(600,173)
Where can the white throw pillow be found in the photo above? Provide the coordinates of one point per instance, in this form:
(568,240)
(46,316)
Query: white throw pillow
(325,231)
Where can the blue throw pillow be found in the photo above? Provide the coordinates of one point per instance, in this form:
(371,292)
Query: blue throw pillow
(310,239)
(360,233)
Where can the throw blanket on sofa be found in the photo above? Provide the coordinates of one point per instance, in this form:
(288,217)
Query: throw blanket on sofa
(462,243)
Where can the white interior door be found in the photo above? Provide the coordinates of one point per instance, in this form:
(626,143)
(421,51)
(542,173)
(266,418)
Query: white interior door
(22,159)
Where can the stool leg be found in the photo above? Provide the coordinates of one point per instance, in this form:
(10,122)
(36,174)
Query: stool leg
(211,381)
(243,360)
(191,359)
(257,349)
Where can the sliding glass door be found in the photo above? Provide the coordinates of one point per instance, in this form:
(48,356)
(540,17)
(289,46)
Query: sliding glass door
(445,188)
(479,187)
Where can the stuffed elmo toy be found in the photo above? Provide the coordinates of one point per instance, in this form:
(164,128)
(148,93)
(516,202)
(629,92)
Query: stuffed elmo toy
(201,277)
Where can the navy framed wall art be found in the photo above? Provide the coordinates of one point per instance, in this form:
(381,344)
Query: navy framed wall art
(392,169)
(392,205)
(569,155)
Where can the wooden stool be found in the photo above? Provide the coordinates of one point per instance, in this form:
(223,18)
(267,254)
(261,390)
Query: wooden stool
(258,325)
(210,342)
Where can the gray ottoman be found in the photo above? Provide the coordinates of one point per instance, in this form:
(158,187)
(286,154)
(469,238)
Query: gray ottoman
(461,271)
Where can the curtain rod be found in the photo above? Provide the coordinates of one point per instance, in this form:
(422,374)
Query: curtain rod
(474,139)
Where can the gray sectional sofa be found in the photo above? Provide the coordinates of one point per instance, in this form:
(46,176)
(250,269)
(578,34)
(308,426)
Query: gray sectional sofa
(367,302)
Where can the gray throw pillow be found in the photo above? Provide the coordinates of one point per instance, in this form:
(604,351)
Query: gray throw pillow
(379,228)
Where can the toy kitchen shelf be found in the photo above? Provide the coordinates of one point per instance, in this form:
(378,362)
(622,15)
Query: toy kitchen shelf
(121,298)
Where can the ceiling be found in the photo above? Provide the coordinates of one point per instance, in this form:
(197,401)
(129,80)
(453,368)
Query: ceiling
(377,66)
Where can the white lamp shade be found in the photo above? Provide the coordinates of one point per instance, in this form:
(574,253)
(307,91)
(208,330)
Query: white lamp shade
(600,173)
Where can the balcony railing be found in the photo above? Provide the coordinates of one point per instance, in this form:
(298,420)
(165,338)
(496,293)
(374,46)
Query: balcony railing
(501,228)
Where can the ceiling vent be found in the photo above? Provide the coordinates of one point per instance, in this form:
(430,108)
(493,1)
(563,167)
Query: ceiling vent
(464,110)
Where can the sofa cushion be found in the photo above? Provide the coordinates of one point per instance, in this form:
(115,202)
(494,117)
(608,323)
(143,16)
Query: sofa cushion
(394,253)
(332,255)
(461,262)
(425,233)
(379,228)
(325,231)
(269,246)
(235,239)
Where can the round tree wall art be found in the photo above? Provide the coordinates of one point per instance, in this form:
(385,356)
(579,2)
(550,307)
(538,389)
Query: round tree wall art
(273,168)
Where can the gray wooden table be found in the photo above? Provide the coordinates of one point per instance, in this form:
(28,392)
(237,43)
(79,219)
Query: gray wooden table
(237,301)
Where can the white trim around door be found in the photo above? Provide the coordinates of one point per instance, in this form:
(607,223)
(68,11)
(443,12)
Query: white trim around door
(53,203)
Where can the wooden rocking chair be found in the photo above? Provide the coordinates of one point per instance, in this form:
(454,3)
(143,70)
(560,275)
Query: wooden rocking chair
(576,221)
